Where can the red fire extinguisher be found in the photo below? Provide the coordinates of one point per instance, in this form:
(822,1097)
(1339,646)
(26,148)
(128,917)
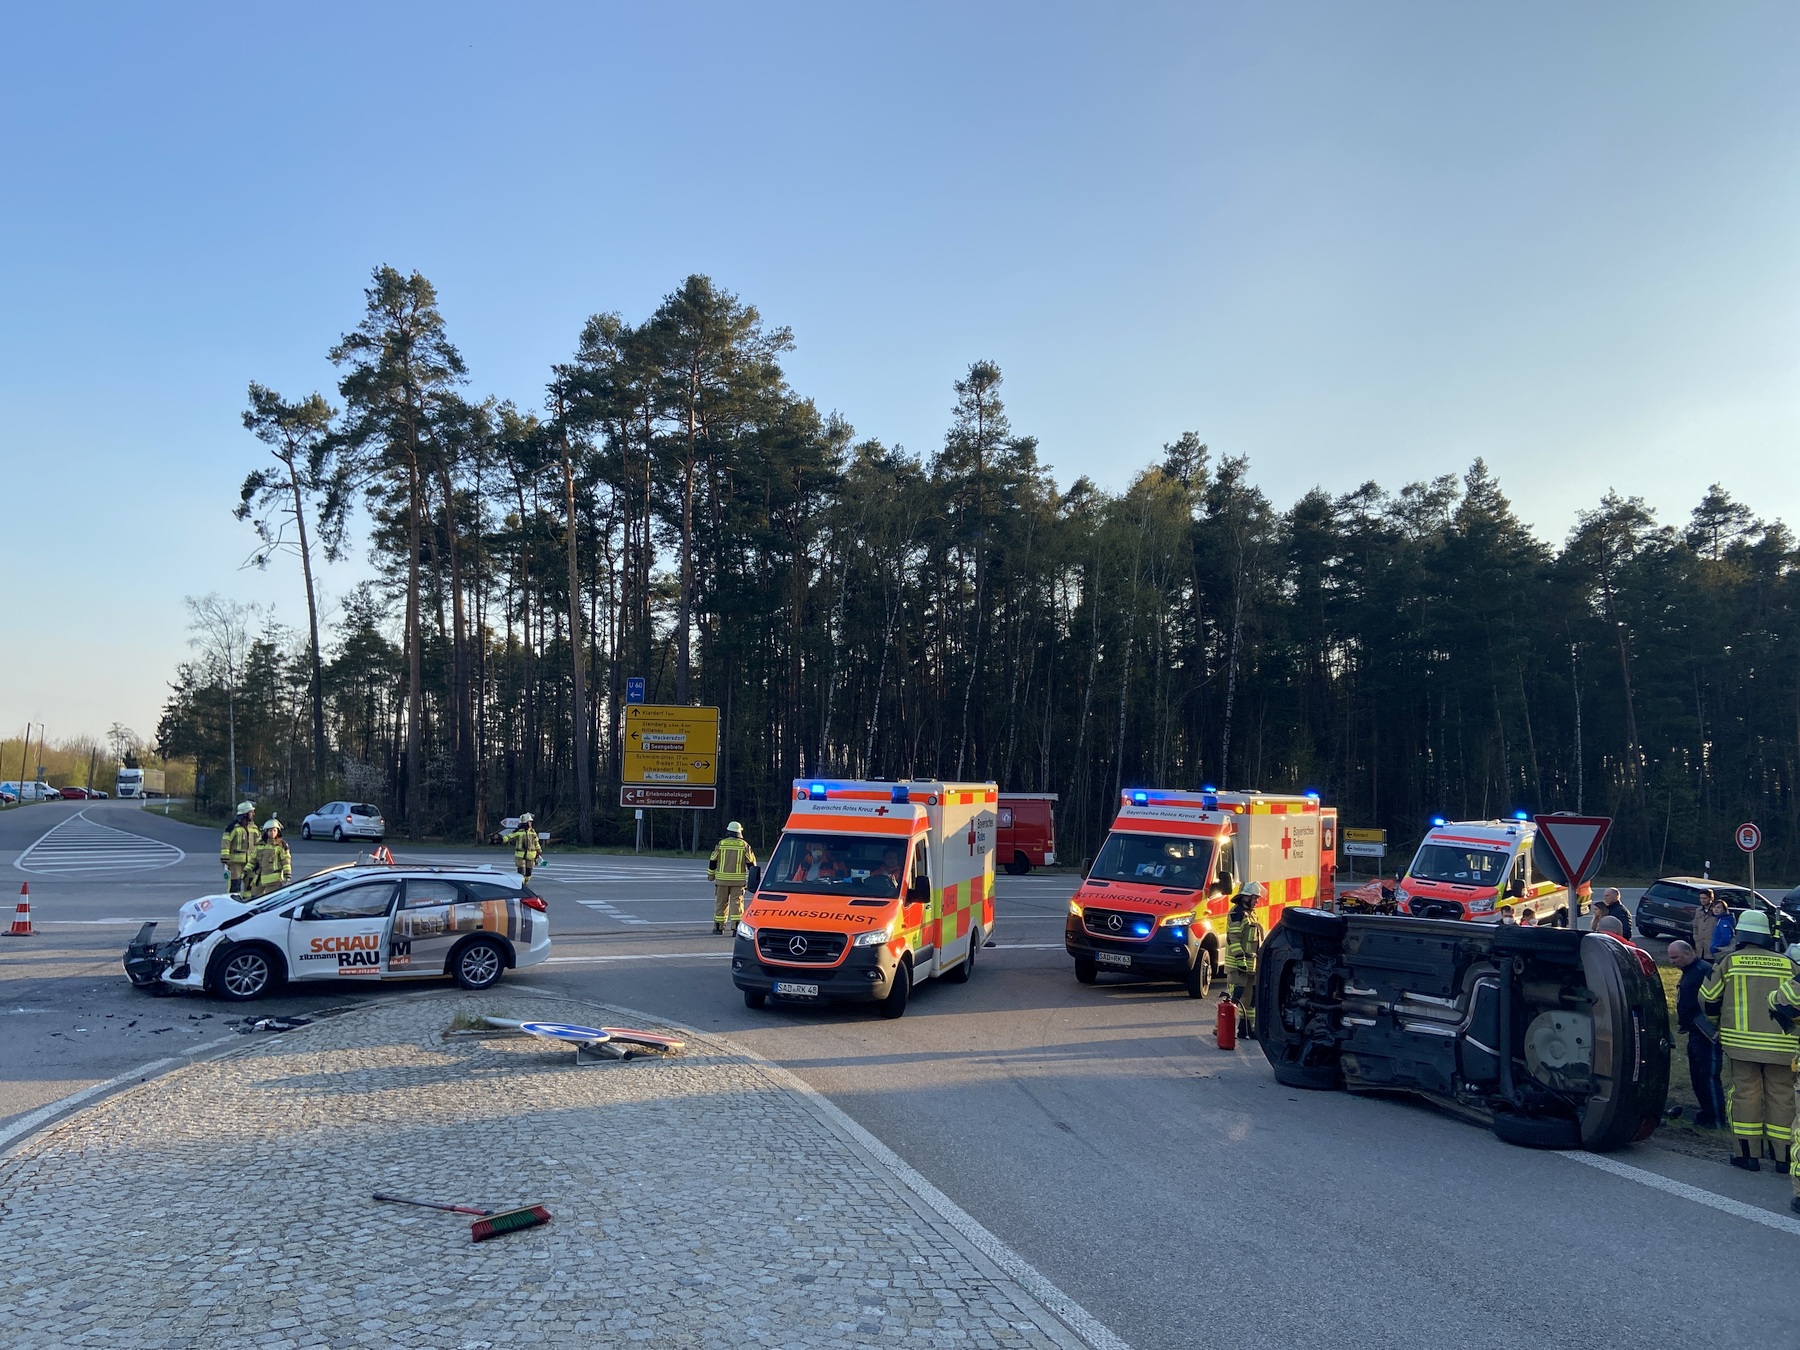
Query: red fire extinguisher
(1226,1029)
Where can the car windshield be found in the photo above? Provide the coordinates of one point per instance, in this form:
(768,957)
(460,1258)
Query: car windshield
(1459,865)
(1154,860)
(831,864)
(295,889)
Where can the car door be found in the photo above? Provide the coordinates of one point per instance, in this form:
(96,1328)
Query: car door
(424,926)
(343,933)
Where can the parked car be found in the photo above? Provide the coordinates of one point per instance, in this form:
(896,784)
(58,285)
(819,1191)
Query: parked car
(1554,1038)
(32,792)
(348,924)
(345,820)
(1667,907)
(80,794)
(8,798)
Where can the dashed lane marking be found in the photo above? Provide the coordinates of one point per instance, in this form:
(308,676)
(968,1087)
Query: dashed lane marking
(618,915)
(82,845)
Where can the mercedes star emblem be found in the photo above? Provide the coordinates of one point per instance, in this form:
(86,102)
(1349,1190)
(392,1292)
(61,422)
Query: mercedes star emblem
(1114,922)
(797,945)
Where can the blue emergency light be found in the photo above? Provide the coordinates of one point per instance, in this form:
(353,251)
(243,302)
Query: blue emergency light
(1209,788)
(1437,820)
(818,792)
(1140,798)
(901,795)
(1519,815)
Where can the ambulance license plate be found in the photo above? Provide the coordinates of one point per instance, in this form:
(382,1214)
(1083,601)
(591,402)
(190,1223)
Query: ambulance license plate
(786,990)
(1113,958)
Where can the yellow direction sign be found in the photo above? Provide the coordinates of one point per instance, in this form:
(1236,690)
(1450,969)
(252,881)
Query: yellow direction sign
(669,744)
(1365,836)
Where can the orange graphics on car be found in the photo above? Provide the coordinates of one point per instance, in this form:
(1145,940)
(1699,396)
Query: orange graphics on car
(874,888)
(1155,901)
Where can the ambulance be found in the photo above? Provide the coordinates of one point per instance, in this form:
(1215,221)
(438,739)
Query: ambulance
(873,888)
(1481,870)
(1156,899)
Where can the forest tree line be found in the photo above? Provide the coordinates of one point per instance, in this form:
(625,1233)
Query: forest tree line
(675,510)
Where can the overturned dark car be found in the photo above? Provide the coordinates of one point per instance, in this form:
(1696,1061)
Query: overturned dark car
(1555,1039)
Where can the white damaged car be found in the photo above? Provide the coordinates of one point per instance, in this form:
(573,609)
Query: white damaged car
(347,924)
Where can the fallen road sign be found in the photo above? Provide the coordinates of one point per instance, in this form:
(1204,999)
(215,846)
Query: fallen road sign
(1572,844)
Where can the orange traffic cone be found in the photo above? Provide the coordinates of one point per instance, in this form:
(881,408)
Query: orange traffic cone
(21,924)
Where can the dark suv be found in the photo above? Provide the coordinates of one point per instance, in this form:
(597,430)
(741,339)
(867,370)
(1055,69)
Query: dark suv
(1556,1039)
(1667,907)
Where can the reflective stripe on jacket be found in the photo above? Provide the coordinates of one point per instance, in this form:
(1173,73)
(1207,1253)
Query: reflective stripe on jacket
(1742,987)
(271,864)
(1243,939)
(730,862)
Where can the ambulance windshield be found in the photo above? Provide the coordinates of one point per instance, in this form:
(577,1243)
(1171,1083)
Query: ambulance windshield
(838,864)
(1154,860)
(1458,865)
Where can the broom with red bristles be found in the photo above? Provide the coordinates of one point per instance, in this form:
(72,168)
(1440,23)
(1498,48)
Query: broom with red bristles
(492,1224)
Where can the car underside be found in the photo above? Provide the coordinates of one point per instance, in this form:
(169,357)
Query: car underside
(1555,1039)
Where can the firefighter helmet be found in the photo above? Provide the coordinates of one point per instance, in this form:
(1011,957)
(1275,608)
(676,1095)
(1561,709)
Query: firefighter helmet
(1753,921)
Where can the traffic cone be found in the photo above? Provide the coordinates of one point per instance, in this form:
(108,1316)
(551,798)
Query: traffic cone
(21,924)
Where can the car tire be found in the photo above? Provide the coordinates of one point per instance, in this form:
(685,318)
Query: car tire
(478,964)
(1296,1060)
(305,830)
(1086,972)
(966,966)
(1536,1131)
(337,834)
(1019,865)
(1199,980)
(755,998)
(894,1005)
(245,972)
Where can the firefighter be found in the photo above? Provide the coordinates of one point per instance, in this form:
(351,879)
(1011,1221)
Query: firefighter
(271,863)
(1243,939)
(729,870)
(527,848)
(1784,1006)
(1759,1053)
(235,845)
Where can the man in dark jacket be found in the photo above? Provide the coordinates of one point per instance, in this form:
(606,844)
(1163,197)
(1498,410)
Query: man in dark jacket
(1611,906)
(1705,1061)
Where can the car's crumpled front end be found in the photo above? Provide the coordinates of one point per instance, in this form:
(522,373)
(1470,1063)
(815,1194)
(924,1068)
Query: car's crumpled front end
(181,961)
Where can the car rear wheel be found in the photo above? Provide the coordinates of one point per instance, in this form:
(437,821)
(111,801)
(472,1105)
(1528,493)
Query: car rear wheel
(337,833)
(244,974)
(479,965)
(894,1005)
(1086,972)
(966,967)
(1536,1131)
(1019,865)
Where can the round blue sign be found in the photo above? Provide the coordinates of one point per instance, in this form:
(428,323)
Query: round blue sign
(563,1031)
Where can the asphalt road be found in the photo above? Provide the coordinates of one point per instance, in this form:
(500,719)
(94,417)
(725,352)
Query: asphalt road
(1175,1190)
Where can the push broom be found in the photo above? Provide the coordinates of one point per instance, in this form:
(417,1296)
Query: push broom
(491,1224)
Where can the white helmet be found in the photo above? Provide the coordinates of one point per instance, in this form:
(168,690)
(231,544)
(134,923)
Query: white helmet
(525,819)
(246,808)
(734,828)
(271,824)
(1252,891)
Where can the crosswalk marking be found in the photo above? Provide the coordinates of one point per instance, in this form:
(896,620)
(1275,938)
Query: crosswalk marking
(82,845)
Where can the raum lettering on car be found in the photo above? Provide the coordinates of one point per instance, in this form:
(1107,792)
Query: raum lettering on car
(357,953)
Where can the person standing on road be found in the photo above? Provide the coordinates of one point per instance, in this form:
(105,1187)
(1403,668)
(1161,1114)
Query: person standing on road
(527,847)
(1705,1062)
(235,846)
(729,871)
(1611,905)
(1712,926)
(1784,1006)
(1739,995)
(271,864)
(1243,940)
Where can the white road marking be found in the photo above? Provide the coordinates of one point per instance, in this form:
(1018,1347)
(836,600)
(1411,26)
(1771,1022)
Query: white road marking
(637,956)
(1656,1181)
(78,844)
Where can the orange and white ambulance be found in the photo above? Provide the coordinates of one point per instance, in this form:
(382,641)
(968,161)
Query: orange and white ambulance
(1482,870)
(1155,901)
(874,887)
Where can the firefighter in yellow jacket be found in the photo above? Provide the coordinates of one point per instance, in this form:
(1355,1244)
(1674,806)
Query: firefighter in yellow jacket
(1759,1053)
(1784,1006)
(271,864)
(235,846)
(729,871)
(1243,940)
(527,847)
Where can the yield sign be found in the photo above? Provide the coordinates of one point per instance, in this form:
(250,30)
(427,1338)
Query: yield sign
(1574,843)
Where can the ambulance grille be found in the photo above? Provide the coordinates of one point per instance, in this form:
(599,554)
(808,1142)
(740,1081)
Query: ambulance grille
(816,949)
(1119,924)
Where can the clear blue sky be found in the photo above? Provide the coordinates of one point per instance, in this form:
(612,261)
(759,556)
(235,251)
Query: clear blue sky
(1348,241)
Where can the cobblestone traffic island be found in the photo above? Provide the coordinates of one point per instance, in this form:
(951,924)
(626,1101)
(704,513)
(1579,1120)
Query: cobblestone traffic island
(698,1201)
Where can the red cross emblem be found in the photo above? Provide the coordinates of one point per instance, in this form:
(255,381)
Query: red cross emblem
(971,841)
(1287,841)
(881,810)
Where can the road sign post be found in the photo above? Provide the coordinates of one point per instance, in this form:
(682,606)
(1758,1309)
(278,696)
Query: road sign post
(1571,852)
(1749,839)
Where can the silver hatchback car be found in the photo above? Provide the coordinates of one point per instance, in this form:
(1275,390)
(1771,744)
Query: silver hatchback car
(344,820)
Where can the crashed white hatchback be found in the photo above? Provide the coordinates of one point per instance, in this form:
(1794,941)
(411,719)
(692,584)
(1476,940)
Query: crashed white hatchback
(349,923)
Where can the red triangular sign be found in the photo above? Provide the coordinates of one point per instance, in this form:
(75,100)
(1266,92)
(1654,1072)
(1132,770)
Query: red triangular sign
(1574,841)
